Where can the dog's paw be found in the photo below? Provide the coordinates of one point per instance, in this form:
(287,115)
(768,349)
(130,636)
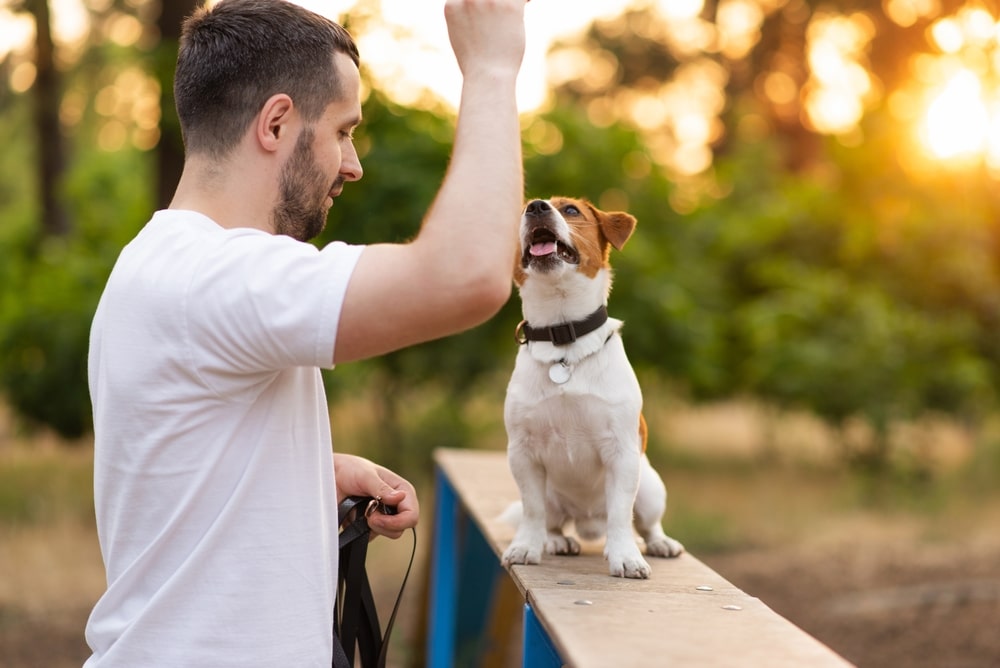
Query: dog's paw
(557,544)
(665,546)
(519,553)
(627,563)
(630,567)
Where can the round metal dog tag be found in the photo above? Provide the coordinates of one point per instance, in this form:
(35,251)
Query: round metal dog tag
(559,372)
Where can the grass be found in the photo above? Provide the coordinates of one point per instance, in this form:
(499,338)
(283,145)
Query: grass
(731,489)
(46,485)
(729,485)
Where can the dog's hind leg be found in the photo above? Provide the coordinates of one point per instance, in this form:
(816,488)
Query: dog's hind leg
(650,504)
(556,542)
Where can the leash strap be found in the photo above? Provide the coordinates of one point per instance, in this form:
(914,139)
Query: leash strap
(355,618)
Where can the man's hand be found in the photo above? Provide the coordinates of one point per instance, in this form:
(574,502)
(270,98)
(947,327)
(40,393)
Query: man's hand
(486,33)
(357,476)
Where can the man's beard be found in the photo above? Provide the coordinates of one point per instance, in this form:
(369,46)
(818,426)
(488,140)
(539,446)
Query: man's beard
(300,213)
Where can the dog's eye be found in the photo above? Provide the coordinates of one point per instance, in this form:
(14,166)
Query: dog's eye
(571,210)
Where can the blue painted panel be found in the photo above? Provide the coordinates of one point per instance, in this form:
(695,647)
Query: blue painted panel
(539,652)
(465,583)
(478,580)
(444,577)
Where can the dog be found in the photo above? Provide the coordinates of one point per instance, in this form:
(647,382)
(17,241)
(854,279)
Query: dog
(573,410)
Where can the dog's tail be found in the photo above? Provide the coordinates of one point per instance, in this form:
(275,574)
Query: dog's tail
(512,514)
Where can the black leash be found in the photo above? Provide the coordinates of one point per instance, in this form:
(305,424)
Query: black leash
(355,618)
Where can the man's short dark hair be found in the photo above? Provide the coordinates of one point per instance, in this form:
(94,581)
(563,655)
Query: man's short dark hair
(235,56)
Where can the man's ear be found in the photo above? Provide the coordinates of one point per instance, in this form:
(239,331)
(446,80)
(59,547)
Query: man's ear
(273,120)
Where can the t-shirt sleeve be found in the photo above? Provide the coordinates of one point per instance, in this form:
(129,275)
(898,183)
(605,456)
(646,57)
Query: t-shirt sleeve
(263,303)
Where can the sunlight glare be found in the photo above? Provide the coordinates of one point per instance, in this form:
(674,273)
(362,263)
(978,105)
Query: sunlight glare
(780,88)
(680,9)
(423,61)
(18,30)
(993,142)
(125,30)
(959,123)
(947,35)
(680,117)
(839,82)
(567,64)
(905,13)
(956,124)
(418,65)
(738,23)
(69,21)
(977,25)
(23,76)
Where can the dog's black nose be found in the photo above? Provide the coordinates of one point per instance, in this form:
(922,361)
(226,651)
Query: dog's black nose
(537,206)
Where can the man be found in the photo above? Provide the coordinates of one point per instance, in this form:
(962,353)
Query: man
(215,483)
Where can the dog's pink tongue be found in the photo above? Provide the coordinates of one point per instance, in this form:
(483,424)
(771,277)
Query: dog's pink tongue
(546,248)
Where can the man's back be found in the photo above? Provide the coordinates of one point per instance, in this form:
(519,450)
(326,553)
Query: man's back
(213,466)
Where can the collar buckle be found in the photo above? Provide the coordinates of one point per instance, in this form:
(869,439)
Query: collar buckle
(564,333)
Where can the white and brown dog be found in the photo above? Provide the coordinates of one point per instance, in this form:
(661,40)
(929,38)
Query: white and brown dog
(576,435)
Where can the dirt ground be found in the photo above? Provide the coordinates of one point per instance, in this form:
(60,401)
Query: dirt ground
(881,588)
(884,600)
(878,594)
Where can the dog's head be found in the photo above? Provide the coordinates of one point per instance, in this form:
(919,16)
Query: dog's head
(564,233)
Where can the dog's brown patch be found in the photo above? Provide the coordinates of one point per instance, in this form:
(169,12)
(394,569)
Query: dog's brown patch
(593,232)
(643,431)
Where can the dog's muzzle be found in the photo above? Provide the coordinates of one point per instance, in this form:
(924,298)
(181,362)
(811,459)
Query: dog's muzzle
(541,244)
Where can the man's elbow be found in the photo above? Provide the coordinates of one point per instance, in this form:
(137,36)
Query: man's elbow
(485,297)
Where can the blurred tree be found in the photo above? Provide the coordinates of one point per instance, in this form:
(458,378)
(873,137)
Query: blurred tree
(170,149)
(810,272)
(851,285)
(792,69)
(47,93)
(51,281)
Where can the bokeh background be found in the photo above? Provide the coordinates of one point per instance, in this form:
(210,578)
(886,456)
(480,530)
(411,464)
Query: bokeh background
(811,298)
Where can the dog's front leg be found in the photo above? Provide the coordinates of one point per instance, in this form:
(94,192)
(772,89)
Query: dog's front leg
(526,548)
(620,487)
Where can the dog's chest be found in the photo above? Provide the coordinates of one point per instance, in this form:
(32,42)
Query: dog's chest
(598,402)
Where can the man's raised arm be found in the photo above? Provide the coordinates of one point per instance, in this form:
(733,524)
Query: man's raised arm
(457,272)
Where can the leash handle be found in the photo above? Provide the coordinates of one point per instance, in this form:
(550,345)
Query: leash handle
(355,618)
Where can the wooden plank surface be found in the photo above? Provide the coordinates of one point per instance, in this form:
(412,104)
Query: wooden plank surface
(685,612)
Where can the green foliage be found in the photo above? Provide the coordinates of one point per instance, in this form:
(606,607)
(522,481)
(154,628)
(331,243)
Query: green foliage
(51,285)
(853,289)
(817,341)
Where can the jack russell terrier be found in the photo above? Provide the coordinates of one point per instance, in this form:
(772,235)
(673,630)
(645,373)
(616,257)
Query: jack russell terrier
(573,412)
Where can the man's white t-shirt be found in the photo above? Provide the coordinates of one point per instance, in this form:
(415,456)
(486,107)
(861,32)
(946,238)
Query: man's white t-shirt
(213,473)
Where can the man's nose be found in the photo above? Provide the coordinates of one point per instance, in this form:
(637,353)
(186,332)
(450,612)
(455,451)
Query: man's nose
(350,167)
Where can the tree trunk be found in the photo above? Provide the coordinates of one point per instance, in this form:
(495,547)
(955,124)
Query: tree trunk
(51,150)
(170,150)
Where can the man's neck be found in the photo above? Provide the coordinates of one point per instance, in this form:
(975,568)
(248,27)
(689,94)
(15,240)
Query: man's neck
(231,197)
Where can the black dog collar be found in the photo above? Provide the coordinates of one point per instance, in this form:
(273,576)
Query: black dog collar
(564,333)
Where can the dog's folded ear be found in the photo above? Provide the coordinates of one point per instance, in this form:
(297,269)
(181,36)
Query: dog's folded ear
(617,227)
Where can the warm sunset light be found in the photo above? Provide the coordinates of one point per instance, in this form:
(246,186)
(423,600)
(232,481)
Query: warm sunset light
(956,123)
(839,86)
(950,102)
(407,51)
(960,119)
